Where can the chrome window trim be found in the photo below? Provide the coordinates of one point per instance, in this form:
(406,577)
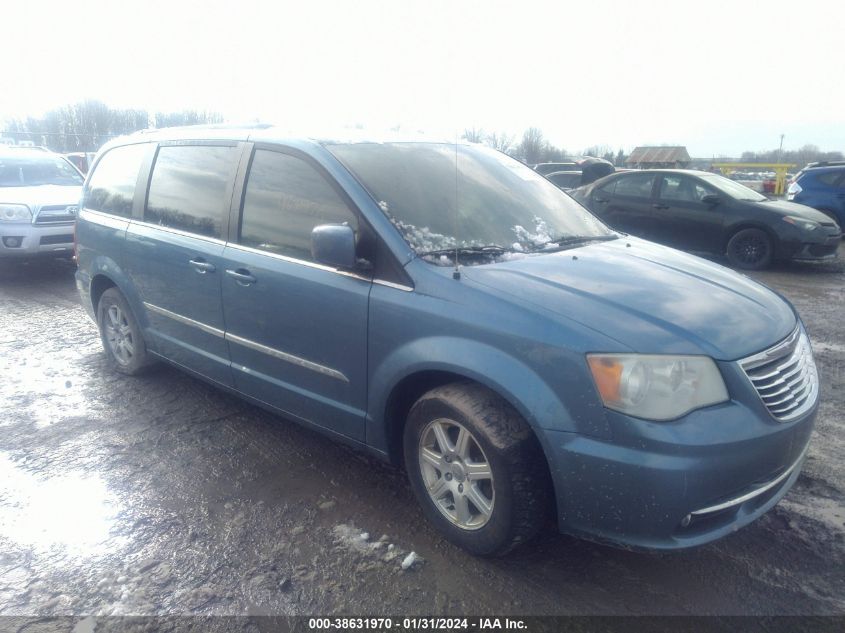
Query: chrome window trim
(390,284)
(270,351)
(310,264)
(104,219)
(185,320)
(279,256)
(249,249)
(294,260)
(168,229)
(754,493)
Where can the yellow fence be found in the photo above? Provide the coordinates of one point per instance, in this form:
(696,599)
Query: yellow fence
(780,170)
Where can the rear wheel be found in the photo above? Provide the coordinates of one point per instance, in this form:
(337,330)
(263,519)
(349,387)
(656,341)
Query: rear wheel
(121,336)
(476,468)
(750,249)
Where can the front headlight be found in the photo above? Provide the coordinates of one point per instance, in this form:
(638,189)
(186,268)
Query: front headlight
(15,213)
(803,223)
(656,387)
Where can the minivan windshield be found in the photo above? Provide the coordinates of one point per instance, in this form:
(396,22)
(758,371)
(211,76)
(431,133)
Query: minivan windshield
(490,204)
(30,171)
(732,188)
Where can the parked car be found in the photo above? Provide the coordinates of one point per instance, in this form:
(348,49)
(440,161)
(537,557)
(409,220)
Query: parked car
(548,168)
(39,199)
(81,160)
(581,172)
(704,212)
(565,180)
(821,186)
(515,354)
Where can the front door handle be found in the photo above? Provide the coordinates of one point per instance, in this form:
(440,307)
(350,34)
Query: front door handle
(241,276)
(660,206)
(202,266)
(599,200)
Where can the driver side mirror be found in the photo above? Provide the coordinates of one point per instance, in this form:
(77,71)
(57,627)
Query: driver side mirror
(333,245)
(711,199)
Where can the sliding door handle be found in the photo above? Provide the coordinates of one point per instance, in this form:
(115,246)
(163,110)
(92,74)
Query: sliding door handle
(202,266)
(241,276)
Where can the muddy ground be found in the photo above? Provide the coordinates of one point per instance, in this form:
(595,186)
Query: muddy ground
(162,495)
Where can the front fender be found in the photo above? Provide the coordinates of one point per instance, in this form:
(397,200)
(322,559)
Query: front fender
(515,381)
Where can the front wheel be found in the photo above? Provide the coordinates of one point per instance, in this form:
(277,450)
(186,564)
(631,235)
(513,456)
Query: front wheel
(750,249)
(476,469)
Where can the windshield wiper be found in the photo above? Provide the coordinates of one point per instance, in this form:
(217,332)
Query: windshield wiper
(573,240)
(492,250)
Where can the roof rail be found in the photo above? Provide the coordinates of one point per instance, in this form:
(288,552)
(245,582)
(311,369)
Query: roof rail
(210,126)
(826,163)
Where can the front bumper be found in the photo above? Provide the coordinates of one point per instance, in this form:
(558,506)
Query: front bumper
(824,248)
(32,240)
(667,486)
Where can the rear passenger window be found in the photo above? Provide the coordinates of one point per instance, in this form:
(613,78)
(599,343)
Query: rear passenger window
(188,187)
(112,185)
(637,185)
(830,178)
(285,199)
(607,189)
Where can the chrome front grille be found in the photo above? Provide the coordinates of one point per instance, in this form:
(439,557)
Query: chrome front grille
(58,214)
(785,376)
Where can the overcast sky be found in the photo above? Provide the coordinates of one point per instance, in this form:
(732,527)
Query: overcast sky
(718,77)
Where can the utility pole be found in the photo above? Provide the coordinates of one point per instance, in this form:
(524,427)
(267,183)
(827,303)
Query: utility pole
(780,150)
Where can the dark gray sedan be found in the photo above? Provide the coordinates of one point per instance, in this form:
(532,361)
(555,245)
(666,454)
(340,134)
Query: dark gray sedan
(705,212)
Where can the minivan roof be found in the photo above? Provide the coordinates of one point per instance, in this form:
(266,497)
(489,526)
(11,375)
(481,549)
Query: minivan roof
(268,132)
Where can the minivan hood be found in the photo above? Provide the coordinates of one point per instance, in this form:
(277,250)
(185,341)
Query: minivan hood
(41,195)
(650,298)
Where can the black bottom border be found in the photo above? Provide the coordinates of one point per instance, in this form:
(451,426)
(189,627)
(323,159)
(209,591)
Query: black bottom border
(405,624)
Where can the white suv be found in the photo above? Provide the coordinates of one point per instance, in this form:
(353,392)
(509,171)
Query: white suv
(39,200)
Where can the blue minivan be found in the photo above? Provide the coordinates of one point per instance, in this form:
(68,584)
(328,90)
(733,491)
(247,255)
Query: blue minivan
(448,309)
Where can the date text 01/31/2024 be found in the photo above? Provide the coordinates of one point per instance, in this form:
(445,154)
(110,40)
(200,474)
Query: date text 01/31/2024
(417,623)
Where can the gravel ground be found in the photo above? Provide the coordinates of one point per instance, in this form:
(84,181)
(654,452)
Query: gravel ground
(161,495)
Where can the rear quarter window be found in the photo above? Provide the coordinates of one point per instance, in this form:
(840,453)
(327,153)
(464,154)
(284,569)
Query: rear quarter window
(111,188)
(830,178)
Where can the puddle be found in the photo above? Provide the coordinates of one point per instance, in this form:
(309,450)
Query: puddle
(74,512)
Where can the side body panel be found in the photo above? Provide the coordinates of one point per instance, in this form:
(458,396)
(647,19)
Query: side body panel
(182,308)
(298,338)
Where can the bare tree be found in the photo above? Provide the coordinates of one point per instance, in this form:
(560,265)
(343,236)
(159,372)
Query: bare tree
(186,117)
(500,141)
(474,135)
(86,125)
(806,154)
(533,148)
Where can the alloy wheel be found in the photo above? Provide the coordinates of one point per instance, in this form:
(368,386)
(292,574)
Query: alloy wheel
(751,249)
(456,473)
(119,335)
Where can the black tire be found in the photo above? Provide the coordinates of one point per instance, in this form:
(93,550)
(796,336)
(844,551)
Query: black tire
(522,495)
(113,305)
(750,249)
